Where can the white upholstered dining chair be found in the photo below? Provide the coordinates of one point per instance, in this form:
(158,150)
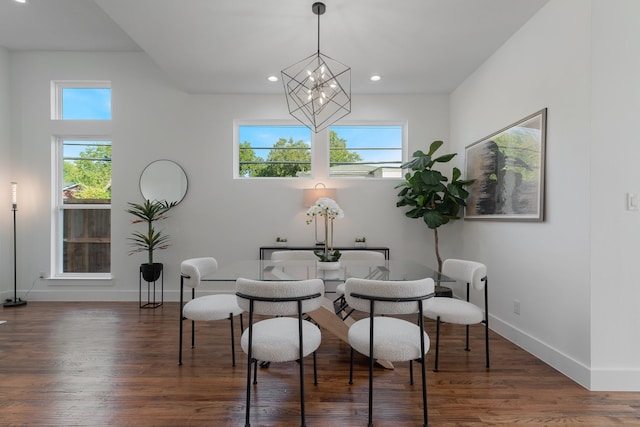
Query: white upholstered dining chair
(462,312)
(382,336)
(279,338)
(301,255)
(205,308)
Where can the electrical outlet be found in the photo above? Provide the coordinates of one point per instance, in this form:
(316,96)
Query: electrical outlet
(516,306)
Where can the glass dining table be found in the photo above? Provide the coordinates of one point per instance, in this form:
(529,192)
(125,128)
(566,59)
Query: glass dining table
(310,269)
(325,316)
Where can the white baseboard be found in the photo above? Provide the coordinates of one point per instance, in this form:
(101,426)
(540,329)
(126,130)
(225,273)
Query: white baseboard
(591,379)
(569,367)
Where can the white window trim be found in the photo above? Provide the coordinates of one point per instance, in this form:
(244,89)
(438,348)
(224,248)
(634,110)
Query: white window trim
(58,85)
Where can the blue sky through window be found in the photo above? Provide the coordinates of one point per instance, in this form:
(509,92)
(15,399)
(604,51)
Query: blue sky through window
(265,136)
(387,137)
(374,136)
(86,104)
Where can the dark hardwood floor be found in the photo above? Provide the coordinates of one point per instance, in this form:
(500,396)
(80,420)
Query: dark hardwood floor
(113,364)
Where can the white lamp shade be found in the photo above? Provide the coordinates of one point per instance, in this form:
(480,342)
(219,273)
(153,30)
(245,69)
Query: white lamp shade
(310,195)
(14,193)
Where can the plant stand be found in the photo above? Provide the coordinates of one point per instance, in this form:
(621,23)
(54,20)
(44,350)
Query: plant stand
(151,296)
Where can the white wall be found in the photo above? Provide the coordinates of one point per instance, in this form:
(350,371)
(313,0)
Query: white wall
(222,217)
(567,272)
(615,232)
(6,218)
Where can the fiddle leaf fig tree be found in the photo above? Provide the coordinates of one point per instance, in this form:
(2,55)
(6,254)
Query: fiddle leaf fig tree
(429,194)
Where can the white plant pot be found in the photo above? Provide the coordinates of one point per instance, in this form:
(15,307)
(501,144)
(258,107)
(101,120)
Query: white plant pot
(329,270)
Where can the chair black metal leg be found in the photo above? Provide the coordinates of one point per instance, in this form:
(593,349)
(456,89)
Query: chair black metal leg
(467,342)
(411,372)
(301,357)
(180,341)
(250,360)
(351,368)
(255,371)
(437,342)
(424,391)
(423,364)
(486,339)
(233,342)
(193,334)
(315,369)
(371,363)
(181,319)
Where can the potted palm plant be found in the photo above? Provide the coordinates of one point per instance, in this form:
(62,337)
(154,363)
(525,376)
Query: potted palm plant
(151,239)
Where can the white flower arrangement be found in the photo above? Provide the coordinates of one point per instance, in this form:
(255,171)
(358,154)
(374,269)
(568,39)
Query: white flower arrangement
(326,207)
(329,209)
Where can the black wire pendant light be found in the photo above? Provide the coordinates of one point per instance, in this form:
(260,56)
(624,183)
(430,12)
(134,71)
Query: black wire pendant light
(318,88)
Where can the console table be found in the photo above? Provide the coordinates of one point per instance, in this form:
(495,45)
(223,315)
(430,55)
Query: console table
(265,251)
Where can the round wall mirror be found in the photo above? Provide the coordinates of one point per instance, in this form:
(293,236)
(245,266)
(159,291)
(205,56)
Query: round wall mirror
(163,180)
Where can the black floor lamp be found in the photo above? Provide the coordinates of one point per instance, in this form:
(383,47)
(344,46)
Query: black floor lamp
(14,207)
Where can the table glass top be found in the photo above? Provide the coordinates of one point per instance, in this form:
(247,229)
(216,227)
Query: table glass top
(302,269)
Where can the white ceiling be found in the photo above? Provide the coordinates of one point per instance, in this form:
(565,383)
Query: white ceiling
(231,46)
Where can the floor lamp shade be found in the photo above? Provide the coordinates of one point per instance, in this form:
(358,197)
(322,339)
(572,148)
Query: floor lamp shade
(14,195)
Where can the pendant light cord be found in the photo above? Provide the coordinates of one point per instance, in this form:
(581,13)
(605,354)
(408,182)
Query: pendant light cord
(318,32)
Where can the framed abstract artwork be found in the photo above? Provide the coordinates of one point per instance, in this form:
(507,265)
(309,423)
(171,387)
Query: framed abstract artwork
(508,169)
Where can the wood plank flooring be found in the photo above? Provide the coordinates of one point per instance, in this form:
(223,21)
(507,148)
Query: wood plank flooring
(113,364)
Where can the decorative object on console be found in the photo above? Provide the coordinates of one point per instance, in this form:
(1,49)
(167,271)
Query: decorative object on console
(281,241)
(329,209)
(508,168)
(15,302)
(430,194)
(318,88)
(310,195)
(360,242)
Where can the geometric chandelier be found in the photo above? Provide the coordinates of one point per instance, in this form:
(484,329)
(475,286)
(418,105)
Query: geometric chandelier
(318,88)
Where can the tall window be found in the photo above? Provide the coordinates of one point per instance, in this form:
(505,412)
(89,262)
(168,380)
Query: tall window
(82,182)
(276,151)
(369,151)
(85,206)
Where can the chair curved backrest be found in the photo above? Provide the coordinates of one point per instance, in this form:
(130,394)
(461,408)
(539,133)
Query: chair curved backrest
(192,270)
(466,271)
(362,255)
(293,255)
(386,289)
(268,296)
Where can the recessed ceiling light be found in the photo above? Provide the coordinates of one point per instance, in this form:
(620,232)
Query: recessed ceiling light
(272,78)
(20,1)
(375,78)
